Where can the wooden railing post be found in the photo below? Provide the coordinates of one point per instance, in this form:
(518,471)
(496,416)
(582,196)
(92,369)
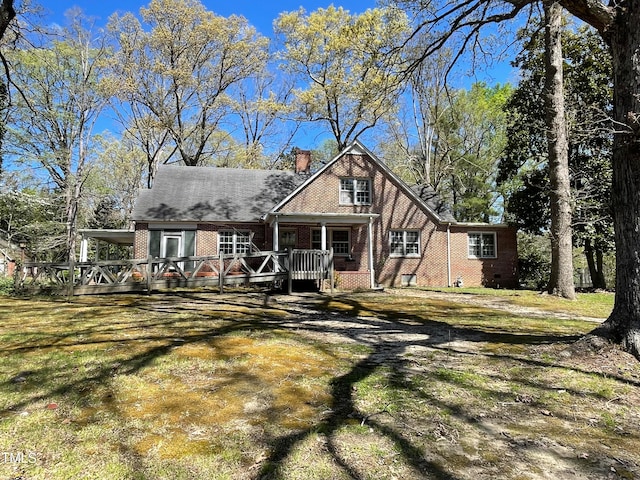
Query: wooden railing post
(331,269)
(71,277)
(221,273)
(290,272)
(149,273)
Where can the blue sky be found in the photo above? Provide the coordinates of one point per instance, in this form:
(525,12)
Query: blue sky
(260,13)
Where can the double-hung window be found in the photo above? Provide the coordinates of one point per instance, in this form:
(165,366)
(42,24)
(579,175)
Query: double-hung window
(404,243)
(355,191)
(232,242)
(340,242)
(482,245)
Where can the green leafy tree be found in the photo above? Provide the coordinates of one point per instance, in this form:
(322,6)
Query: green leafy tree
(34,218)
(460,24)
(173,75)
(587,73)
(347,66)
(57,105)
(473,138)
(452,142)
(114,181)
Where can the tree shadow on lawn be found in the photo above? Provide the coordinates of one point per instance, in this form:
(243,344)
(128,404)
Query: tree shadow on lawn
(388,336)
(387,352)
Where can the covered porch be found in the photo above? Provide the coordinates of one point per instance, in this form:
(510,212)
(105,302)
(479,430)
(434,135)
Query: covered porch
(103,239)
(354,265)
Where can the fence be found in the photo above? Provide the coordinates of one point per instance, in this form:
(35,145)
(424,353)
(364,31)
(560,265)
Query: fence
(111,276)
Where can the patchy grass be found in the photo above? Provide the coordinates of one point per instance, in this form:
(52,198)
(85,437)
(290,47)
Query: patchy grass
(353,386)
(598,305)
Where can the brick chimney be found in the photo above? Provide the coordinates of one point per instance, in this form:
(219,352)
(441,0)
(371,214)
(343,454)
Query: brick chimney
(303,161)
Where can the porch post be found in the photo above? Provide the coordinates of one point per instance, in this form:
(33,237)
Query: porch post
(323,236)
(370,242)
(276,235)
(84,248)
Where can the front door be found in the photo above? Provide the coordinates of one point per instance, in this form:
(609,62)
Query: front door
(171,246)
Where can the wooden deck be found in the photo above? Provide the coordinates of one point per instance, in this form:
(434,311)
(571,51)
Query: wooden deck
(114,276)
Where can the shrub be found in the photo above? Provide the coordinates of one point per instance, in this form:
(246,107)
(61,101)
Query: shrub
(7,285)
(534,260)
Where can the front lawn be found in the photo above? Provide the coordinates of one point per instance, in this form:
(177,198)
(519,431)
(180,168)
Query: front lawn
(245,385)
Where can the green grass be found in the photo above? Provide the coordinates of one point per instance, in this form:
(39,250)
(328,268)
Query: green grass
(197,385)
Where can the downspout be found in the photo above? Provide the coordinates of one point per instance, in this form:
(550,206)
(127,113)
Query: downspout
(448,254)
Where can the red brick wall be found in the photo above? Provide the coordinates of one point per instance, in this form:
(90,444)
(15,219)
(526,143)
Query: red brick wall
(206,237)
(141,241)
(397,210)
(489,272)
(352,280)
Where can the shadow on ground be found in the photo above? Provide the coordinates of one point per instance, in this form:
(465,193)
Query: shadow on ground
(409,350)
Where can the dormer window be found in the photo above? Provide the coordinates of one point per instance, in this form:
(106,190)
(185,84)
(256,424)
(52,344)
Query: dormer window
(355,191)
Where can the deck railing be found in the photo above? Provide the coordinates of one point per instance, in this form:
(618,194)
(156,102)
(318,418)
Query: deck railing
(79,278)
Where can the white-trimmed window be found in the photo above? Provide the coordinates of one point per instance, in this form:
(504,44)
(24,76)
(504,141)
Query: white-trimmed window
(482,245)
(355,191)
(340,242)
(404,243)
(233,241)
(338,239)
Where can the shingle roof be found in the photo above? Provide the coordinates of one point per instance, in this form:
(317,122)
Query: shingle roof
(429,196)
(210,194)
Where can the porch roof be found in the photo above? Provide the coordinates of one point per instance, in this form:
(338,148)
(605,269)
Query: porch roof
(316,217)
(119,237)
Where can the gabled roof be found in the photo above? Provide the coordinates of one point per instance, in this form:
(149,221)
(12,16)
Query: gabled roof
(211,194)
(428,203)
(430,197)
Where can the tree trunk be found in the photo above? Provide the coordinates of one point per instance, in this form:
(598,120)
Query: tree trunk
(623,325)
(7,14)
(561,281)
(595,264)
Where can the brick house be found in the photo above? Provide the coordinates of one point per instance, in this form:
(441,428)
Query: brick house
(382,231)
